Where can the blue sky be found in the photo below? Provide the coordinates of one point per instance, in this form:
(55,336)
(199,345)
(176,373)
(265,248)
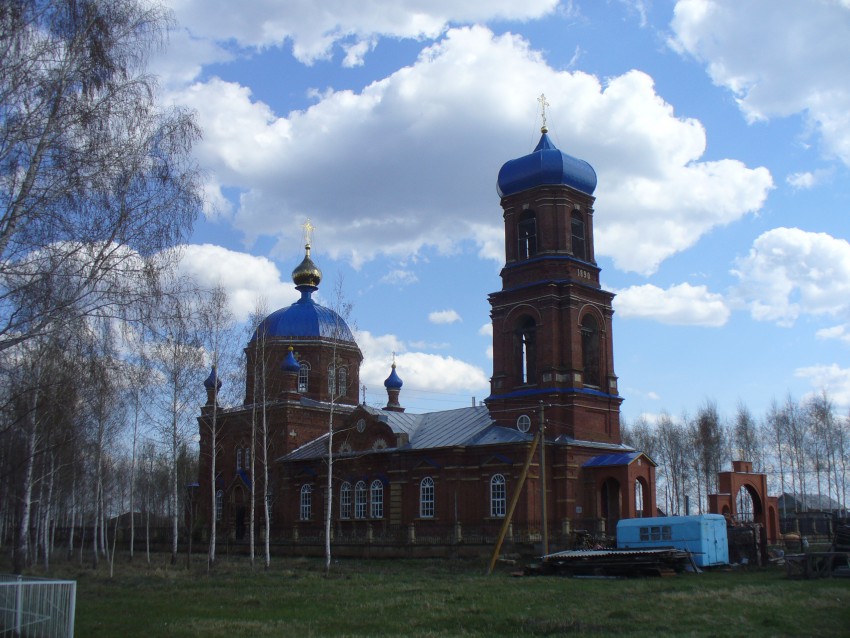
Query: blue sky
(720,132)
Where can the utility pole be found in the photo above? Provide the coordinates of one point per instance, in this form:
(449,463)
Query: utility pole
(544,518)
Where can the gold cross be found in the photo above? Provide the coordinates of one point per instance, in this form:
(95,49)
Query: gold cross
(543,105)
(308,232)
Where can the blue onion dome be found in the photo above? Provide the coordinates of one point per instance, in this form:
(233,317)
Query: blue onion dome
(305,318)
(545,166)
(212,381)
(307,273)
(289,363)
(393,382)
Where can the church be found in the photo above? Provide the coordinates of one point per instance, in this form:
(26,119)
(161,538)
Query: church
(441,482)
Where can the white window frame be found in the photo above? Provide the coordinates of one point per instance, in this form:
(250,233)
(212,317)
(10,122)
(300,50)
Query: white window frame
(303,376)
(426,498)
(498,496)
(306,502)
(376,499)
(360,499)
(345,500)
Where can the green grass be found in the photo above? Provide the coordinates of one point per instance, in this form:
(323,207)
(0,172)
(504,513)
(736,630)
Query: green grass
(444,598)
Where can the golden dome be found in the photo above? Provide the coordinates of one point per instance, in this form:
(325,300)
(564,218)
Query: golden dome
(307,273)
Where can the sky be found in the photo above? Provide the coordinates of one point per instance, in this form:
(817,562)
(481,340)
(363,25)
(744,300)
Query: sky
(719,131)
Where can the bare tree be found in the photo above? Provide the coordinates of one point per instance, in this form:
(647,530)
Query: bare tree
(97,179)
(746,438)
(218,338)
(177,359)
(710,442)
(342,312)
(257,342)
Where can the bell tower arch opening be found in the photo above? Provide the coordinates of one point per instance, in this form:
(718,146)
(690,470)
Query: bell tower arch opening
(527,235)
(525,338)
(591,354)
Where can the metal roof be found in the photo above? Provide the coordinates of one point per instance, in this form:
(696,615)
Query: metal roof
(608,460)
(305,318)
(546,165)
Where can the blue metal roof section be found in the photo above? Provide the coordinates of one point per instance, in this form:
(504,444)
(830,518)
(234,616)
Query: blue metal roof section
(305,319)
(545,166)
(610,460)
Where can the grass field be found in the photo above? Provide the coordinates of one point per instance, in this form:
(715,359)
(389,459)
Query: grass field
(444,598)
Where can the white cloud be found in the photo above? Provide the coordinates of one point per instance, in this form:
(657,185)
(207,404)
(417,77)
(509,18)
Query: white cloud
(789,272)
(682,304)
(808,179)
(841,333)
(486,330)
(437,153)
(246,278)
(419,370)
(399,277)
(832,379)
(315,30)
(779,57)
(429,345)
(444,316)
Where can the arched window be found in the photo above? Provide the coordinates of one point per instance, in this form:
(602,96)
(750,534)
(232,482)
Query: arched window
(247,465)
(306,502)
(590,354)
(342,378)
(332,381)
(578,236)
(376,498)
(527,235)
(345,500)
(219,504)
(360,500)
(239,458)
(303,376)
(526,351)
(498,496)
(426,497)
(639,505)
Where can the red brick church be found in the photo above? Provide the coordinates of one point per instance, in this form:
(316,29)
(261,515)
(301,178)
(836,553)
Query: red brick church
(444,479)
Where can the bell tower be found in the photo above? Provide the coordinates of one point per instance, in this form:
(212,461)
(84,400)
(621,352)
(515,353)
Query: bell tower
(552,328)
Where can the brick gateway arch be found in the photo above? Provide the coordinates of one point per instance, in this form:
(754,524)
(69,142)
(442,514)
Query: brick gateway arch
(765,508)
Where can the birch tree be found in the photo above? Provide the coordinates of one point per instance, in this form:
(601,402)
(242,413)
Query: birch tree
(96,179)
(177,358)
(217,325)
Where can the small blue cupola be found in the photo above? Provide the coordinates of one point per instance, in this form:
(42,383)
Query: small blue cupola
(289,363)
(212,381)
(393,381)
(212,384)
(393,385)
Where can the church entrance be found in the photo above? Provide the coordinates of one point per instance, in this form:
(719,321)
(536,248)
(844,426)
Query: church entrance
(610,501)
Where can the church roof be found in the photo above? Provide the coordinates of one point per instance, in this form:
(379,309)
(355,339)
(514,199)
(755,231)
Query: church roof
(546,165)
(464,426)
(612,460)
(305,318)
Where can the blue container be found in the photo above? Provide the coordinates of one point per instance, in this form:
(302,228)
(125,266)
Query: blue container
(704,536)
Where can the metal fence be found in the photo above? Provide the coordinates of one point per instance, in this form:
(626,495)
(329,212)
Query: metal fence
(37,607)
